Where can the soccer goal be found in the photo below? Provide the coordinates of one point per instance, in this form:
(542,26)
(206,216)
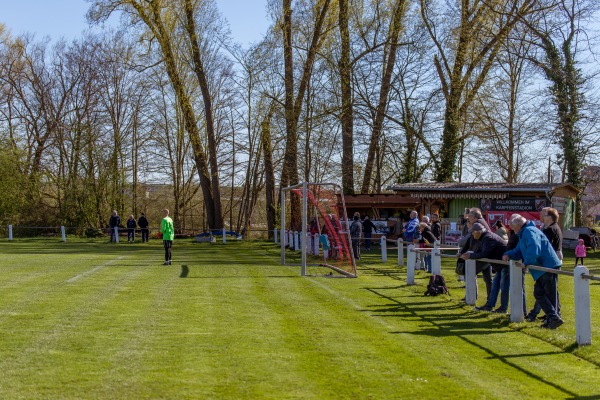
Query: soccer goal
(314,230)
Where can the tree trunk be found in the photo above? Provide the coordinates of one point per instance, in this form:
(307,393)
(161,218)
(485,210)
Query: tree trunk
(346,115)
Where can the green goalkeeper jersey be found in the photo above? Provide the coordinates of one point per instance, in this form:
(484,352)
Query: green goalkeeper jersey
(166,228)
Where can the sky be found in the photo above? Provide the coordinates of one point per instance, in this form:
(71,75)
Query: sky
(66,18)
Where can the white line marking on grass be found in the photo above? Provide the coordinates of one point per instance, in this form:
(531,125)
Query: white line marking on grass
(91,271)
(352,304)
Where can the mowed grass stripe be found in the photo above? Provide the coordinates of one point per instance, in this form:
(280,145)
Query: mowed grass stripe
(240,326)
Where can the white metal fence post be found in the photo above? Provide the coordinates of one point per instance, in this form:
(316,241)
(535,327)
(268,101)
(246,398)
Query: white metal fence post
(400,252)
(116,234)
(275,235)
(316,244)
(383,242)
(470,282)
(224,236)
(411,260)
(63,234)
(583,321)
(516,292)
(436,261)
(296,244)
(10,237)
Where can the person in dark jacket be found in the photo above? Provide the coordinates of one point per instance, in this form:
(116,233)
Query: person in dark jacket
(143,224)
(475,215)
(436,226)
(355,234)
(131,225)
(368,228)
(484,244)
(534,248)
(426,239)
(114,222)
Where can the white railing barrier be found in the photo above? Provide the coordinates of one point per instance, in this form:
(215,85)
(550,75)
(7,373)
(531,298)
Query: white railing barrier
(296,244)
(411,260)
(316,244)
(224,236)
(583,321)
(516,292)
(290,239)
(63,234)
(10,237)
(470,282)
(400,244)
(436,262)
(116,228)
(275,235)
(383,242)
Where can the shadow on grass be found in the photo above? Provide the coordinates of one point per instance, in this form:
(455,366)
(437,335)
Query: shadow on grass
(444,322)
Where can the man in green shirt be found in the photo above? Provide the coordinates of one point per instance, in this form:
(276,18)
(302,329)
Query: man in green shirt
(168,234)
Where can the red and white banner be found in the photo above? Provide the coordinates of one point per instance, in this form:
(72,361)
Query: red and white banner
(493,216)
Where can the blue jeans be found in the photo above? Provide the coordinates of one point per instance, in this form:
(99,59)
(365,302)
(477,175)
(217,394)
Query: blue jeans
(428,261)
(367,240)
(544,291)
(500,284)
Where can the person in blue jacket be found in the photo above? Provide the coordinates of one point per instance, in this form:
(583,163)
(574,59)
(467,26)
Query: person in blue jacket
(412,228)
(534,248)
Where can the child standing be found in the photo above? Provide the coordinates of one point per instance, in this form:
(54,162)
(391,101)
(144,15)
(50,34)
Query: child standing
(580,252)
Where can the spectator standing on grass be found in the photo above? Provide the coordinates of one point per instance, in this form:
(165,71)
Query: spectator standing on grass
(131,225)
(113,223)
(168,235)
(475,215)
(355,233)
(482,244)
(534,248)
(501,230)
(143,224)
(426,239)
(368,228)
(580,252)
(412,227)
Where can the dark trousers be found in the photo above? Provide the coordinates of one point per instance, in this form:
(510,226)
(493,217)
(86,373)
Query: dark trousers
(130,234)
(367,240)
(577,260)
(356,248)
(486,273)
(168,244)
(545,293)
(145,232)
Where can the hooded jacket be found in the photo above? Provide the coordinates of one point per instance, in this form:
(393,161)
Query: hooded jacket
(534,248)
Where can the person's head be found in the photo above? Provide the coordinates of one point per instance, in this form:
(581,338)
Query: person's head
(131,216)
(581,242)
(499,224)
(477,230)
(114,213)
(517,221)
(550,216)
(165,212)
(356,215)
(466,213)
(435,217)
(425,219)
(414,214)
(143,214)
(366,218)
(423,226)
(474,215)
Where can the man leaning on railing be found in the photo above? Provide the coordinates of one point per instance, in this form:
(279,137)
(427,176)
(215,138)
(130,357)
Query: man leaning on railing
(534,248)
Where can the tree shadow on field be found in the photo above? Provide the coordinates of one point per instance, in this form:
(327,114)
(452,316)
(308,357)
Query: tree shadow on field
(446,320)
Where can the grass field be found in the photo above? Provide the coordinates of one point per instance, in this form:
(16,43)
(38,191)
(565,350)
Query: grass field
(92,320)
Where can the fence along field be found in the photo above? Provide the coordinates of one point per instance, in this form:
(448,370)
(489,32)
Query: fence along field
(89,319)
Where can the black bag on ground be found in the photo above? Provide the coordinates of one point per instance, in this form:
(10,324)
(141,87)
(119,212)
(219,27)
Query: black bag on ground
(437,285)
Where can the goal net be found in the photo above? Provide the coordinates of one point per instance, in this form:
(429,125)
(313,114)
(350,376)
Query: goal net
(314,230)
